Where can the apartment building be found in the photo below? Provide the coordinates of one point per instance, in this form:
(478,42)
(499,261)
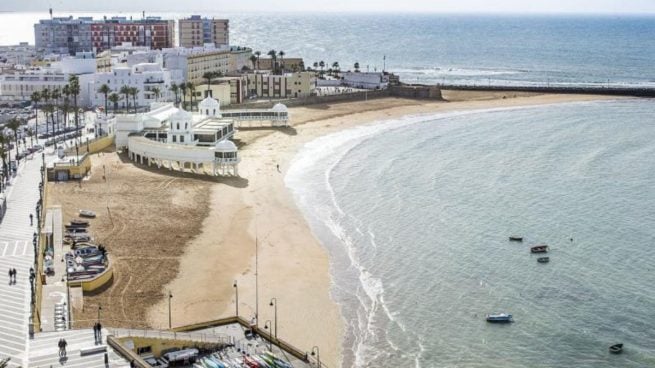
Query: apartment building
(195,62)
(288,85)
(288,65)
(68,35)
(197,31)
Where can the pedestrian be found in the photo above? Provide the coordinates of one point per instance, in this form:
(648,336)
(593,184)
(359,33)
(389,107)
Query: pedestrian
(31,220)
(99,333)
(11,274)
(61,346)
(14,275)
(64,344)
(95,332)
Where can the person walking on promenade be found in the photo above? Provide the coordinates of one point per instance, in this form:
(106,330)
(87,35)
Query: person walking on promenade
(63,346)
(14,271)
(11,275)
(95,332)
(31,220)
(60,344)
(99,333)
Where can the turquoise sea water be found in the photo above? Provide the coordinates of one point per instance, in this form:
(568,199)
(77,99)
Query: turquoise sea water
(416,214)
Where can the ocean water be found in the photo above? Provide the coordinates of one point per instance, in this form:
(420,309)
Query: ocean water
(431,48)
(416,214)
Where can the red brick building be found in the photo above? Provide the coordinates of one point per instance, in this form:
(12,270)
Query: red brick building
(151,32)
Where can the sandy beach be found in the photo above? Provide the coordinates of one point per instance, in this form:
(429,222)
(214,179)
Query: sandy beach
(293,267)
(193,236)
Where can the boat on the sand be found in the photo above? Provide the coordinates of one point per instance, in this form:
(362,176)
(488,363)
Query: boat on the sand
(499,318)
(616,349)
(539,249)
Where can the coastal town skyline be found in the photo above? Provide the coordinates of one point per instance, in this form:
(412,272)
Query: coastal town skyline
(640,7)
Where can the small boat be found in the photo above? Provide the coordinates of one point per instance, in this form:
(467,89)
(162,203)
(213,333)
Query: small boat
(516,238)
(616,349)
(87,213)
(543,259)
(539,249)
(79,222)
(499,318)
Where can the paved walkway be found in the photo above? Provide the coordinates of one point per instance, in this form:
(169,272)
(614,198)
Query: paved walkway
(16,251)
(45,353)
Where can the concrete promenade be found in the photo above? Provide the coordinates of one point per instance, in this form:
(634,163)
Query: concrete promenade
(17,251)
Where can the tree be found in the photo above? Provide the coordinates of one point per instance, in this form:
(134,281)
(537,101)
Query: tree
(209,76)
(192,90)
(105,90)
(126,91)
(273,55)
(183,88)
(258,54)
(134,92)
(14,125)
(335,67)
(157,93)
(3,153)
(74,85)
(64,107)
(322,65)
(281,54)
(36,98)
(30,133)
(114,98)
(356,67)
(316,65)
(175,89)
(253,60)
(45,94)
(55,95)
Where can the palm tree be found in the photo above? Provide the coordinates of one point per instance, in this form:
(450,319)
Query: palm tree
(316,65)
(64,108)
(192,90)
(273,55)
(55,95)
(45,95)
(4,363)
(253,60)
(335,67)
(176,89)
(258,54)
(114,98)
(357,67)
(74,85)
(30,133)
(322,65)
(36,98)
(105,90)
(281,54)
(157,92)
(126,91)
(209,76)
(3,153)
(14,125)
(134,92)
(183,88)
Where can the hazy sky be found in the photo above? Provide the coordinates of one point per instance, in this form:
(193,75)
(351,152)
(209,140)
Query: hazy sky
(502,6)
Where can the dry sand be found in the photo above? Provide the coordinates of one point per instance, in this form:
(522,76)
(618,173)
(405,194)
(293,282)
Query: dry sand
(293,267)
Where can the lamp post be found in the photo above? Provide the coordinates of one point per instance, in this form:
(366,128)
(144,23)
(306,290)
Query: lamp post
(170,296)
(99,309)
(316,352)
(274,304)
(267,325)
(236,290)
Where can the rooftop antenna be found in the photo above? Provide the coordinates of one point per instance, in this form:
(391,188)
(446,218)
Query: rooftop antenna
(50,13)
(384,60)
(144,14)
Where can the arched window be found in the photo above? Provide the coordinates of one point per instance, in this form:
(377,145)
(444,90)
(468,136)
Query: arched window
(214,112)
(178,126)
(207,112)
(186,126)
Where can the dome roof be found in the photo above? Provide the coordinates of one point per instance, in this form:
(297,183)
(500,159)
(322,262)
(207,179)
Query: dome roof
(209,103)
(226,146)
(279,108)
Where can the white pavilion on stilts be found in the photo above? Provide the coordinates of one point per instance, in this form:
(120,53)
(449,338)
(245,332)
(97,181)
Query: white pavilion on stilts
(227,159)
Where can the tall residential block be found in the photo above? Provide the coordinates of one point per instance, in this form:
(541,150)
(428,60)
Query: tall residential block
(197,31)
(70,35)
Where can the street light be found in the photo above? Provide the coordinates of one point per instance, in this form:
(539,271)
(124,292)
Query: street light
(170,296)
(267,324)
(274,304)
(236,290)
(318,355)
(99,309)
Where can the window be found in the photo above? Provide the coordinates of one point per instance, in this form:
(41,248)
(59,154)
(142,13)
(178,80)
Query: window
(181,139)
(178,126)
(174,139)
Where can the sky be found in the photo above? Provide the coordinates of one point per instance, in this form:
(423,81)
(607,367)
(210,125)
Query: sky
(457,6)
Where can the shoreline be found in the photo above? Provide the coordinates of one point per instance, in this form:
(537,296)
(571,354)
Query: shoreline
(293,264)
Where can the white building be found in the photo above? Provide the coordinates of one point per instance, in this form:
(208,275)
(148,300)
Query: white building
(367,80)
(176,139)
(146,77)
